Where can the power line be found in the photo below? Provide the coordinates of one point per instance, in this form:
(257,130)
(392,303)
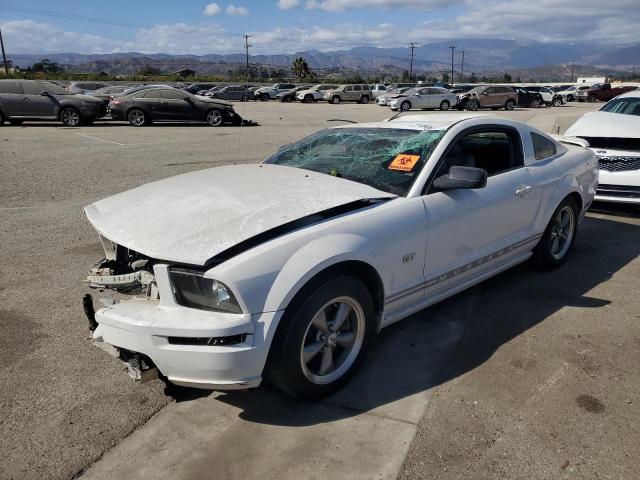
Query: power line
(412,46)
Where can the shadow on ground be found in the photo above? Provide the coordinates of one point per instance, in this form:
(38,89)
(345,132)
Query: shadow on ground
(455,336)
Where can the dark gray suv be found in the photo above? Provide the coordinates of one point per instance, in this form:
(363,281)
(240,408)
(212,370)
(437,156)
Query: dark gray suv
(22,100)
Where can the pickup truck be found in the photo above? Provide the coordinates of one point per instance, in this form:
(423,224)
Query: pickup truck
(602,91)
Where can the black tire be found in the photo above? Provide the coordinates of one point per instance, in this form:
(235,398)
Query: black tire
(543,253)
(286,368)
(70,117)
(444,105)
(264,97)
(472,105)
(570,98)
(16,122)
(88,121)
(214,118)
(364,99)
(287,99)
(557,102)
(2,119)
(592,98)
(405,106)
(308,99)
(336,99)
(509,105)
(535,103)
(137,117)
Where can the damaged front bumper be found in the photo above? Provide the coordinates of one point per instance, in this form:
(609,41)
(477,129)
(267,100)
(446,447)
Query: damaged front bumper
(190,347)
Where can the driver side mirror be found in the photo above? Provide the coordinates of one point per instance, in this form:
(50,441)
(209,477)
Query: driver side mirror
(462,178)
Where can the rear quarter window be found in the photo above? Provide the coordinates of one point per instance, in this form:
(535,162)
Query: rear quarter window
(543,147)
(10,87)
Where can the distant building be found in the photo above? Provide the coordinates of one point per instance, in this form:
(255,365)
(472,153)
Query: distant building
(184,73)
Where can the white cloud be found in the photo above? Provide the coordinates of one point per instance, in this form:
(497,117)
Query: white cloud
(211,9)
(341,5)
(238,11)
(288,4)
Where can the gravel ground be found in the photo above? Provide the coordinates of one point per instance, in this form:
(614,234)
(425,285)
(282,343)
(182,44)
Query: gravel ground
(65,403)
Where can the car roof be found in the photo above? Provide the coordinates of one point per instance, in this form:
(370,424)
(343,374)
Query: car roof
(428,121)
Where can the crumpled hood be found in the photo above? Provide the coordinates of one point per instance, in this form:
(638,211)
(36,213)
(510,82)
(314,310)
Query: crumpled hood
(190,218)
(605,124)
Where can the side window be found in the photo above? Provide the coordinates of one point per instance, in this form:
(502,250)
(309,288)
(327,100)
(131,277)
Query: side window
(172,95)
(495,150)
(9,86)
(543,147)
(490,91)
(32,88)
(382,87)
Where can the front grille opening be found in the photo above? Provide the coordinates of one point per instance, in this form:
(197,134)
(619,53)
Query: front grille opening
(210,341)
(619,164)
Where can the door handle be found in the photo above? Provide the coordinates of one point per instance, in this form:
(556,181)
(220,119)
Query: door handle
(522,190)
(27,99)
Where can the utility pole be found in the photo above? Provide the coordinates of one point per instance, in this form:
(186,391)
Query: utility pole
(452,50)
(4,57)
(412,46)
(462,68)
(246,48)
(573,64)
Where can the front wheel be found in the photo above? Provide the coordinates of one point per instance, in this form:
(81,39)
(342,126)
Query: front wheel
(264,97)
(472,105)
(570,98)
(136,117)
(509,105)
(592,98)
(559,236)
(335,100)
(557,102)
(70,117)
(214,118)
(535,103)
(405,106)
(308,99)
(444,105)
(322,338)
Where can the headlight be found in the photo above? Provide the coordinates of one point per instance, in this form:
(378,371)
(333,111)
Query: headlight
(192,290)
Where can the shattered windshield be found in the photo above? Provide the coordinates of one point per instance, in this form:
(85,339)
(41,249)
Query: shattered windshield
(388,159)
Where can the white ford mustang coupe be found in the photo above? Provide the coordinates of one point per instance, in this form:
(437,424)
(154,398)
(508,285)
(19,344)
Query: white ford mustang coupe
(284,270)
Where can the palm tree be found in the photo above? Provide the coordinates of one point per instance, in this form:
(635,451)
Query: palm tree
(300,68)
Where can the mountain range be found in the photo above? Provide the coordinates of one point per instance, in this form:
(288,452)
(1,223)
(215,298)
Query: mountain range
(481,55)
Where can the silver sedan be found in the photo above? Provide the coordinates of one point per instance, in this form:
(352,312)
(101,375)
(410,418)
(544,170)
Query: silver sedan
(423,98)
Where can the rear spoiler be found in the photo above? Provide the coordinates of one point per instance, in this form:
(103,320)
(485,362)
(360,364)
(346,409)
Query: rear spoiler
(580,142)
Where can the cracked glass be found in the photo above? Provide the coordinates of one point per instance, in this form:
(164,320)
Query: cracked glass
(363,155)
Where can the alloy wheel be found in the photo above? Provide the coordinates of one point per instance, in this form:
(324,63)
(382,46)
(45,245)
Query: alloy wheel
(70,117)
(562,232)
(214,118)
(136,118)
(333,340)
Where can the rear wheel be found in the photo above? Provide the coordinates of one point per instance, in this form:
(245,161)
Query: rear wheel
(364,100)
(535,103)
(214,118)
(592,98)
(264,97)
(444,105)
(308,99)
(557,102)
(136,117)
(70,117)
(322,338)
(509,105)
(335,99)
(559,236)
(405,106)
(286,98)
(570,98)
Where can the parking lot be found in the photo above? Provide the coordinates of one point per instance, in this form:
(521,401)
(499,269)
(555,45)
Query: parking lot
(527,375)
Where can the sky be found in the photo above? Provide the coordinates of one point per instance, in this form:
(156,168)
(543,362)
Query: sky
(288,26)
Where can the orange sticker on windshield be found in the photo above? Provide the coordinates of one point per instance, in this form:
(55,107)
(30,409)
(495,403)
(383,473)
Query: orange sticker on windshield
(404,162)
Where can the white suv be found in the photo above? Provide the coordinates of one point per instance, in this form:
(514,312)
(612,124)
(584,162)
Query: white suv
(315,93)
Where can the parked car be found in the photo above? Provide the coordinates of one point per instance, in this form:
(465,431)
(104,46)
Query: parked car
(423,98)
(371,223)
(171,104)
(572,91)
(462,88)
(528,98)
(22,100)
(290,95)
(197,87)
(360,93)
(395,86)
(107,93)
(270,93)
(82,87)
(209,93)
(613,134)
(549,96)
(488,96)
(378,89)
(314,93)
(603,92)
(233,92)
(383,100)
